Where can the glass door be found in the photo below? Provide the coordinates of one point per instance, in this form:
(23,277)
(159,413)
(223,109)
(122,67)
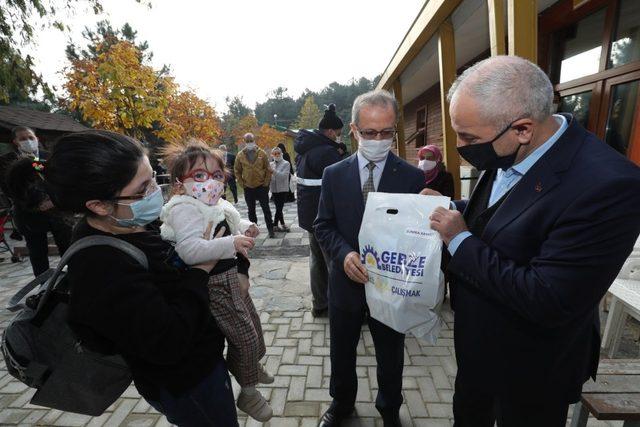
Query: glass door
(619,124)
(582,103)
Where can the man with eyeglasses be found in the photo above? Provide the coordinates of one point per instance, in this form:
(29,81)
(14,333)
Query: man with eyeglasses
(554,215)
(345,188)
(316,150)
(253,173)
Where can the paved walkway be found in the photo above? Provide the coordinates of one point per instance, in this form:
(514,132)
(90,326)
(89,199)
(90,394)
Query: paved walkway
(297,352)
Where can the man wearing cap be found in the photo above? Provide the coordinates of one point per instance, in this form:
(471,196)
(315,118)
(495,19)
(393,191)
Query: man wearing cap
(316,150)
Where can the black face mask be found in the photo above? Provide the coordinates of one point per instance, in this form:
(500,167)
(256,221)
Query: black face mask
(483,156)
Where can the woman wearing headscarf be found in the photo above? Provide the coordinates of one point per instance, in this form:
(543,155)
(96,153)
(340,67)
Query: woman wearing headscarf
(436,176)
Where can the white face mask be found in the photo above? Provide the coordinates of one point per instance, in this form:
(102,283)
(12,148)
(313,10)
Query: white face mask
(375,150)
(426,165)
(29,146)
(251,146)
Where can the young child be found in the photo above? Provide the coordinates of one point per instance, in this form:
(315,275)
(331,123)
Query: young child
(206,227)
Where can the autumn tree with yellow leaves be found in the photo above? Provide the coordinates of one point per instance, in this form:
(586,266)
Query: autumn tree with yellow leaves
(112,87)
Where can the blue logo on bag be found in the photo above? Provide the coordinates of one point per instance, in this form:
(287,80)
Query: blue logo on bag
(394,262)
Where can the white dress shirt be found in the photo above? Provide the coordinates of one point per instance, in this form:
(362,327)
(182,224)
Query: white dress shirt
(364,170)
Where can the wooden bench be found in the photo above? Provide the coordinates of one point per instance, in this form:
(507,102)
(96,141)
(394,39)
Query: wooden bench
(614,396)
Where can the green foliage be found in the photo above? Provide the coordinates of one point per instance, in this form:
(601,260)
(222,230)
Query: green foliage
(310,115)
(19,19)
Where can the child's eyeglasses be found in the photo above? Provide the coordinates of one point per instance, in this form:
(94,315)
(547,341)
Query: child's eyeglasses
(201,175)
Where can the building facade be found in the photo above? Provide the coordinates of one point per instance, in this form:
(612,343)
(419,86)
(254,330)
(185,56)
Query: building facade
(589,48)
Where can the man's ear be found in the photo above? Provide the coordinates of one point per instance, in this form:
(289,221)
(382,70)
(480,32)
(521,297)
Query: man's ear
(524,131)
(99,207)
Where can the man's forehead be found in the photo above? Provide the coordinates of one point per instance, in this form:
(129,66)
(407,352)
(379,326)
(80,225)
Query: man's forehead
(376,116)
(24,134)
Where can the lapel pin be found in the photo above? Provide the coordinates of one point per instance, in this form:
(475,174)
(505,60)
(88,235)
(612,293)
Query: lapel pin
(538,187)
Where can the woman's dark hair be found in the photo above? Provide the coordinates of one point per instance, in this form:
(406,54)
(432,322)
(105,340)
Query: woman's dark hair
(181,158)
(24,183)
(282,147)
(91,165)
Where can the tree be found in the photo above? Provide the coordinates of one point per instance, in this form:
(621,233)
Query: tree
(116,91)
(245,125)
(280,104)
(268,137)
(19,83)
(310,115)
(189,116)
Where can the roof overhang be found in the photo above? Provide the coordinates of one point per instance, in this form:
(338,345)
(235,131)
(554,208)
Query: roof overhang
(426,24)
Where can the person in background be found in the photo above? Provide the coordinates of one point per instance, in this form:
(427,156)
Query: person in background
(158,318)
(253,173)
(345,188)
(33,213)
(316,150)
(436,176)
(550,223)
(230,161)
(290,197)
(280,187)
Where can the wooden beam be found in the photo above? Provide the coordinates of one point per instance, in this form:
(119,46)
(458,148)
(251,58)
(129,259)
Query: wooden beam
(397,92)
(523,29)
(447,60)
(496,27)
(425,26)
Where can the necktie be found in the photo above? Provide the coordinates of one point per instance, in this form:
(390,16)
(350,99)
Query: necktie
(368,185)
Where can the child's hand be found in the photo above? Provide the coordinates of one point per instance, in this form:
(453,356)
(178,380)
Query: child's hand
(252,231)
(243,244)
(208,266)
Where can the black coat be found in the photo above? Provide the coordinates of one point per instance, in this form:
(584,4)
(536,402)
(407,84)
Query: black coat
(526,291)
(340,216)
(230,162)
(442,183)
(315,152)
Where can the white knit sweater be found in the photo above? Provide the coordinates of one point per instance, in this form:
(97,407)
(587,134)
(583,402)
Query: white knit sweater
(185,220)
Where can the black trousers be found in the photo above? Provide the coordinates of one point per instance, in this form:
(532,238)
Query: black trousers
(474,407)
(260,194)
(345,329)
(34,228)
(279,199)
(234,188)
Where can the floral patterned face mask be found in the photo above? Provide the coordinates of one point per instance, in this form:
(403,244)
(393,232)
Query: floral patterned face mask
(208,192)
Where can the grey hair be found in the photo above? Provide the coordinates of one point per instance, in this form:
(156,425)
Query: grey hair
(276,150)
(248,135)
(506,88)
(380,97)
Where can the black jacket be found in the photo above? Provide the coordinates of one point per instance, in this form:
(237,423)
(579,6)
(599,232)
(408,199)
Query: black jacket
(315,152)
(526,289)
(230,162)
(159,320)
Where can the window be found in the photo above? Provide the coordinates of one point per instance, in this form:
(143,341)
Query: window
(576,49)
(625,47)
(578,105)
(622,109)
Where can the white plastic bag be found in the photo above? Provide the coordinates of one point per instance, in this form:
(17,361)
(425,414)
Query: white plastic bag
(402,255)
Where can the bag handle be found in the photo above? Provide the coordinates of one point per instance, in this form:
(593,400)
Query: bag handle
(50,277)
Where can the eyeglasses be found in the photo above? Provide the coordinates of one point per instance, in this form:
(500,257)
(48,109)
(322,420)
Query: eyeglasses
(151,188)
(201,175)
(373,134)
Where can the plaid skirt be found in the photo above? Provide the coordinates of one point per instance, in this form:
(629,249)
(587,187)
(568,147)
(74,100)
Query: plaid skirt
(238,320)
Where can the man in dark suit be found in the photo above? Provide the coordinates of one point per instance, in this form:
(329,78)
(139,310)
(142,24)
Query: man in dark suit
(230,162)
(345,187)
(548,227)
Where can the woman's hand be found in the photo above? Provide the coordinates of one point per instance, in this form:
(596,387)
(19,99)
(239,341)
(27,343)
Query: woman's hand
(208,266)
(252,231)
(243,244)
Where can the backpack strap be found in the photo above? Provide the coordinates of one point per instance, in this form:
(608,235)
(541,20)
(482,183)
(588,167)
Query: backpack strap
(50,278)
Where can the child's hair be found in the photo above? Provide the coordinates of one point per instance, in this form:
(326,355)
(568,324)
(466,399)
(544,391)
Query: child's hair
(181,158)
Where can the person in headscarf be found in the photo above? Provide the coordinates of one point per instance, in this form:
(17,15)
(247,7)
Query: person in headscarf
(436,176)
(287,158)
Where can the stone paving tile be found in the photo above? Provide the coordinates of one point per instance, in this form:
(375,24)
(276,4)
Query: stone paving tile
(298,353)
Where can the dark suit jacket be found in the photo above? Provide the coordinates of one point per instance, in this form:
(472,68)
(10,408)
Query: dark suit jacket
(340,215)
(526,292)
(230,160)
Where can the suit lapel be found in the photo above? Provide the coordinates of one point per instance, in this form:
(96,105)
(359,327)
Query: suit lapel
(388,177)
(353,182)
(537,182)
